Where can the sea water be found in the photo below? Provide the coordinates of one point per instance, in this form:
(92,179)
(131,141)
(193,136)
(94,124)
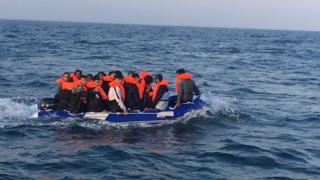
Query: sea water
(261,86)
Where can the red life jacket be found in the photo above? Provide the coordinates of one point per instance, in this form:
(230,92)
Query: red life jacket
(115,84)
(181,77)
(156,89)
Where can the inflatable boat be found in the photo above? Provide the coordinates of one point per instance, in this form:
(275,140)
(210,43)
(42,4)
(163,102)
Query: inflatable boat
(151,116)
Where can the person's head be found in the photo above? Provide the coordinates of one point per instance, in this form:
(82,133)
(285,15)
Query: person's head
(83,80)
(135,77)
(130,73)
(112,74)
(148,80)
(78,73)
(90,77)
(158,78)
(66,76)
(180,71)
(100,75)
(98,82)
(118,78)
(119,73)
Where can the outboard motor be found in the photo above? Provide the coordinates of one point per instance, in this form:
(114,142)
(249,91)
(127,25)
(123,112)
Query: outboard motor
(47,103)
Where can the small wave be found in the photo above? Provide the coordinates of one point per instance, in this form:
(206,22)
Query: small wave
(107,42)
(2,79)
(272,51)
(249,91)
(242,147)
(36,84)
(97,57)
(258,36)
(262,161)
(232,50)
(11,36)
(278,177)
(287,41)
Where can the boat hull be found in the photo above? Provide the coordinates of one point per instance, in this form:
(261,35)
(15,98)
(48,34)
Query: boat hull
(152,116)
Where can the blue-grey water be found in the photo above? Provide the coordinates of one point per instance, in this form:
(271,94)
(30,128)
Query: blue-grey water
(262,88)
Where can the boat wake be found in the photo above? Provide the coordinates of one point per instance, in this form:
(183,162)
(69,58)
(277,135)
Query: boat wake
(18,112)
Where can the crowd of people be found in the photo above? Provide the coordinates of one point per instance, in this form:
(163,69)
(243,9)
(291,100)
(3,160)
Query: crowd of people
(117,93)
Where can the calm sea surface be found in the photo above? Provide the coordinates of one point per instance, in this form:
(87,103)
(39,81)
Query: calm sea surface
(262,88)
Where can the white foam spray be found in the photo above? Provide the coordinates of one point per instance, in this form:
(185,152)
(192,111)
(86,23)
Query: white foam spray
(11,112)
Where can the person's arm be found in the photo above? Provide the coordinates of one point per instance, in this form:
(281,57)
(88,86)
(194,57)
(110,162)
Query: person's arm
(180,93)
(102,93)
(119,99)
(196,89)
(59,81)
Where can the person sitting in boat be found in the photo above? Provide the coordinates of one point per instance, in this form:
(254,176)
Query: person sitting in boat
(65,82)
(63,96)
(79,96)
(97,98)
(147,92)
(116,95)
(110,76)
(76,76)
(104,84)
(90,82)
(132,99)
(185,87)
(160,97)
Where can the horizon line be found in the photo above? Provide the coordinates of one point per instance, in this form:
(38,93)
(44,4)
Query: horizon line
(167,25)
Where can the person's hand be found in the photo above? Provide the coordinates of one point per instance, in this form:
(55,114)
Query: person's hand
(125,112)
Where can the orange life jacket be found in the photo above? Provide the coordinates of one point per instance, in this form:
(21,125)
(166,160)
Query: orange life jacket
(115,84)
(142,84)
(141,90)
(129,79)
(102,93)
(143,74)
(91,84)
(59,81)
(74,77)
(107,78)
(181,77)
(77,83)
(156,89)
(65,84)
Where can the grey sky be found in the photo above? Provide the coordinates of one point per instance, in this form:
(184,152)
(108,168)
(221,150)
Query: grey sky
(266,14)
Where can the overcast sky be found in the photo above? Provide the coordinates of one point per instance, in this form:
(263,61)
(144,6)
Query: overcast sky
(265,14)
